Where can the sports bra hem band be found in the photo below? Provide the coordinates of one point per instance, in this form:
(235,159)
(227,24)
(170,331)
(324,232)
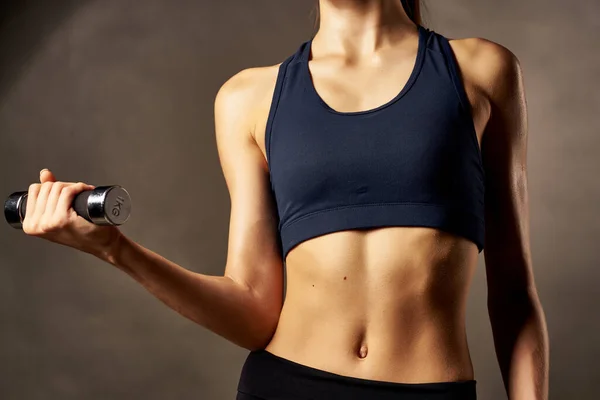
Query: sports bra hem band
(383,204)
(458,221)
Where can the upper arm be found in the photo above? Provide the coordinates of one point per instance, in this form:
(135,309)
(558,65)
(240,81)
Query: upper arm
(253,256)
(504,153)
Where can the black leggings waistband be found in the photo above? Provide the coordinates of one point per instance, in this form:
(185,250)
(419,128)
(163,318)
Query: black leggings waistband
(266,376)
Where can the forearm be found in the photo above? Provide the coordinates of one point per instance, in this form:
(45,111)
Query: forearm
(522,348)
(218,303)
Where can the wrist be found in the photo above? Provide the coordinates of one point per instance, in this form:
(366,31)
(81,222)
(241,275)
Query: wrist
(110,251)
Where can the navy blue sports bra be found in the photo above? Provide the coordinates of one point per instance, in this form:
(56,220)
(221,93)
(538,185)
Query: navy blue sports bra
(414,161)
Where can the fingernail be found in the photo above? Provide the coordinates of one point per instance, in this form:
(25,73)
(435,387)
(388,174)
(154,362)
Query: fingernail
(45,169)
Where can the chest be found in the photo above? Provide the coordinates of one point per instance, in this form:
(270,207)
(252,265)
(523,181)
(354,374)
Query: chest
(349,87)
(412,149)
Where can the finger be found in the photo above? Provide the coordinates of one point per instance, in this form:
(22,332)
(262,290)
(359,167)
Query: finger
(67,195)
(40,205)
(47,176)
(32,194)
(52,201)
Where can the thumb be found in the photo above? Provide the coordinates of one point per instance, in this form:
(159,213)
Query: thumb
(47,176)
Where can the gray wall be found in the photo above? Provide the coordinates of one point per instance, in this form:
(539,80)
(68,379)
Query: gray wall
(121,92)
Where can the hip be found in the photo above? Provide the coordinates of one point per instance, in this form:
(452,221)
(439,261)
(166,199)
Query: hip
(266,376)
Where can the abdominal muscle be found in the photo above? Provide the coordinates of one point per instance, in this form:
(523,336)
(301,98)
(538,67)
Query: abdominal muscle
(384,304)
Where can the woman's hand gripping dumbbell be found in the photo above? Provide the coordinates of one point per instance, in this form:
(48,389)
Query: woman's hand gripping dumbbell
(50,215)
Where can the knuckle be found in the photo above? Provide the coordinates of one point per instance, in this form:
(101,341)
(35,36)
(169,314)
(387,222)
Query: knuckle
(76,187)
(46,226)
(64,189)
(70,189)
(26,228)
(30,228)
(33,187)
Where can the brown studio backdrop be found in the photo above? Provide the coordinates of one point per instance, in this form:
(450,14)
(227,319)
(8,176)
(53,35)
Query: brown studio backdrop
(114,92)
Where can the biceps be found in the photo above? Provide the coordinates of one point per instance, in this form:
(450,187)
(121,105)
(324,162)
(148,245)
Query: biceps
(507,254)
(253,253)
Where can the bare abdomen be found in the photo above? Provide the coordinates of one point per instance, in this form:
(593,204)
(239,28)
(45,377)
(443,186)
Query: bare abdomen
(394,315)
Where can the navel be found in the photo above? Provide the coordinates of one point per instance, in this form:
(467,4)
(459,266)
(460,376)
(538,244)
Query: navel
(362,352)
(361,348)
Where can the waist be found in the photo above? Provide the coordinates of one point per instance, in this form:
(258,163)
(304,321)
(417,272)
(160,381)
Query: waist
(269,376)
(403,343)
(377,315)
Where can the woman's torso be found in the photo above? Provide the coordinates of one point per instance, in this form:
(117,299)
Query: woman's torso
(386,303)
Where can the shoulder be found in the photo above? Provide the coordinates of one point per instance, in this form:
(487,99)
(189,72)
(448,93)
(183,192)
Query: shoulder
(488,65)
(246,86)
(243,100)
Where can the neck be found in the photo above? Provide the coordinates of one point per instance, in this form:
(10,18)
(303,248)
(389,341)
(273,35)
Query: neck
(365,23)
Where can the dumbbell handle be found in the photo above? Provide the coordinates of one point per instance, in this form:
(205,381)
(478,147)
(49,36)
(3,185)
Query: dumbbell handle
(104,205)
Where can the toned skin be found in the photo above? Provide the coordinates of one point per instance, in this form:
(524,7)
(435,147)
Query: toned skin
(384,303)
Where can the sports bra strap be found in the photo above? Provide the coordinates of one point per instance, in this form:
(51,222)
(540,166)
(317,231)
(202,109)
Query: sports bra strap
(455,75)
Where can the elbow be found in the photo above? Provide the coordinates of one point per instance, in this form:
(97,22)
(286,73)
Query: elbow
(264,324)
(259,314)
(507,295)
(266,311)
(513,304)
(262,336)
